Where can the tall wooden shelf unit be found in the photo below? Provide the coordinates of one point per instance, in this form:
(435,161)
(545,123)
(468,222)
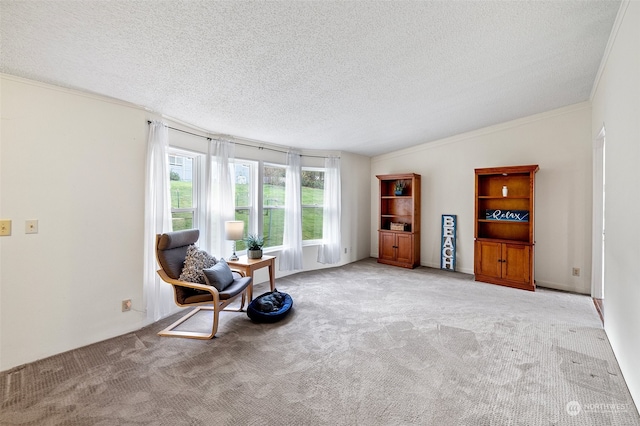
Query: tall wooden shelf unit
(504,249)
(399,247)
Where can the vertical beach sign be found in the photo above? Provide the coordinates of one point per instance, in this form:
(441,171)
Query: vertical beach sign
(448,252)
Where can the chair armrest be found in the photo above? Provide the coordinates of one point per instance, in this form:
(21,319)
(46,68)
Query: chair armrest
(239,272)
(197,286)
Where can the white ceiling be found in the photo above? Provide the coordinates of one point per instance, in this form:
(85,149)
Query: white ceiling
(367,77)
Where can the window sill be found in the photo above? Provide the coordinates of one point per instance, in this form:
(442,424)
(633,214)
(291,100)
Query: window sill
(274,249)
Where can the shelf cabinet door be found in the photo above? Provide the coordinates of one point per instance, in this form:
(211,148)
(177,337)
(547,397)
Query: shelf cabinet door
(488,259)
(398,248)
(504,263)
(515,262)
(387,242)
(404,248)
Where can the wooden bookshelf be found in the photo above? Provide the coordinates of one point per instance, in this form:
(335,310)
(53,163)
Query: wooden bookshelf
(504,226)
(399,220)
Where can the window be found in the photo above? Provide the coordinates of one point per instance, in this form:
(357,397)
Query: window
(312,182)
(260,205)
(183,200)
(273,204)
(244,172)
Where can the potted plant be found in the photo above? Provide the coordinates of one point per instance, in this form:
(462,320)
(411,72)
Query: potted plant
(399,187)
(254,246)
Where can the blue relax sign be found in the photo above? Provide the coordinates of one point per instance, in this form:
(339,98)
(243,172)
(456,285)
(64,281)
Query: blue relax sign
(509,215)
(448,251)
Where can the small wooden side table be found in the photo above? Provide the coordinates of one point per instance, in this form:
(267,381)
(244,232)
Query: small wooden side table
(247,266)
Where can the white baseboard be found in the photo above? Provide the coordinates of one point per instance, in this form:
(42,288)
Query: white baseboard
(561,287)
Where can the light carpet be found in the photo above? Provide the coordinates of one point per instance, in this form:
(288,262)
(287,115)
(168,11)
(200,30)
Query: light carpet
(365,344)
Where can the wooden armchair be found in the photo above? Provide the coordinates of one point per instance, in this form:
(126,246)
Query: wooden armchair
(171,251)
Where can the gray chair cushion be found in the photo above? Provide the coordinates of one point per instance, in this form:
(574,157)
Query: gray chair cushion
(175,239)
(219,275)
(172,250)
(236,287)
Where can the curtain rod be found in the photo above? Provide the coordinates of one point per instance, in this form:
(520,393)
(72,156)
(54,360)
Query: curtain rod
(183,131)
(240,143)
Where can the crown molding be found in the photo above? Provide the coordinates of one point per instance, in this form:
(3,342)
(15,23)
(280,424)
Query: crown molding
(484,131)
(71,91)
(607,51)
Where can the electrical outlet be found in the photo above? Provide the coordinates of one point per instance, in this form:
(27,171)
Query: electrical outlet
(126,305)
(575,272)
(5,227)
(31,227)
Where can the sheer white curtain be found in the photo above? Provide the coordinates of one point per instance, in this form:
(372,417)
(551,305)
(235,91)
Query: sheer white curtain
(219,197)
(291,257)
(157,295)
(329,252)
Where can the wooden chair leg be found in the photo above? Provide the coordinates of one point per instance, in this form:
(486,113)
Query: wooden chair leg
(216,317)
(169,331)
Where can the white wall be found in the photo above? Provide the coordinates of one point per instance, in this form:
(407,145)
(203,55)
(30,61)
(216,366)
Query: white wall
(558,141)
(616,104)
(76,163)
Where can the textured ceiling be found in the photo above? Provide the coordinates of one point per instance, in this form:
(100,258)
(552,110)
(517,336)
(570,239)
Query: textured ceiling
(368,77)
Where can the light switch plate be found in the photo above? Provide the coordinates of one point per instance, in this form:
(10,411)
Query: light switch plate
(31,227)
(5,227)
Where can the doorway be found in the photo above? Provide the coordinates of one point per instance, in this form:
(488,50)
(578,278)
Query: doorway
(598,230)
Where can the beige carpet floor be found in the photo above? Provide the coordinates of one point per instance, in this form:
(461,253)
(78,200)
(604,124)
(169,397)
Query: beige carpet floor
(365,344)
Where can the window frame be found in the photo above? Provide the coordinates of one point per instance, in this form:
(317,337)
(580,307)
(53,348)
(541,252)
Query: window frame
(256,210)
(316,241)
(252,194)
(264,164)
(195,209)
